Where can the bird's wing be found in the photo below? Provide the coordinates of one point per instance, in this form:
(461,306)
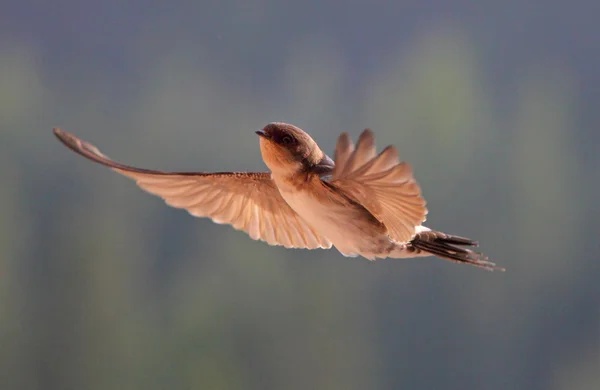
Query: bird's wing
(381,183)
(248,201)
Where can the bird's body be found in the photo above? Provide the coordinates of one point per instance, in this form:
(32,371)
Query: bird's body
(320,205)
(363,204)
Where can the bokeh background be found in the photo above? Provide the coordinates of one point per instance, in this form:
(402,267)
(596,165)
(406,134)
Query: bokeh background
(494,103)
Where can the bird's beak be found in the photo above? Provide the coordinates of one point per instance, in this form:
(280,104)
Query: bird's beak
(262,134)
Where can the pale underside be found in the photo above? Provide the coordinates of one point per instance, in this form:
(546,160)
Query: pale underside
(370,206)
(381,206)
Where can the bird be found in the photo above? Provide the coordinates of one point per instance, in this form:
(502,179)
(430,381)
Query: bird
(362,203)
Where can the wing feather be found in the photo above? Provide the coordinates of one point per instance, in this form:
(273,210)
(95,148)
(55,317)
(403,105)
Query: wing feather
(248,201)
(383,184)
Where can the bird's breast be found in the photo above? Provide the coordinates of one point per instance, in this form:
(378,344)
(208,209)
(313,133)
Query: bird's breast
(348,225)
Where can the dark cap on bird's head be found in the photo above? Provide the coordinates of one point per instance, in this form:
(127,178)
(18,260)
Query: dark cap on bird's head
(286,149)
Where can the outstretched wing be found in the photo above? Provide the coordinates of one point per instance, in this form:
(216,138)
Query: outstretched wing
(380,183)
(248,201)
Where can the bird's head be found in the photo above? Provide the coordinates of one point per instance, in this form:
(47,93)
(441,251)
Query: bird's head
(286,149)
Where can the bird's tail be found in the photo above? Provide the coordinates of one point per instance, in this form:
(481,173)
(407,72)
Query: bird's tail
(453,248)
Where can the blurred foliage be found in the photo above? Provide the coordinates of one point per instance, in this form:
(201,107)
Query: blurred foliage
(105,287)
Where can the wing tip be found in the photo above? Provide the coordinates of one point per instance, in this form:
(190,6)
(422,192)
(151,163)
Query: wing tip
(368,136)
(79,146)
(68,139)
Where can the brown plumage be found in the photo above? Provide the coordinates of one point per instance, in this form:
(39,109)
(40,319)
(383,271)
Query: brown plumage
(363,204)
(247,201)
(449,247)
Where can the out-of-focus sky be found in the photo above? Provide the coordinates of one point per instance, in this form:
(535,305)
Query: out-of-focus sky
(495,105)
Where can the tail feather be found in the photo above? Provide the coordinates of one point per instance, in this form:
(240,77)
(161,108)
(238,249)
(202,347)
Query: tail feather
(453,248)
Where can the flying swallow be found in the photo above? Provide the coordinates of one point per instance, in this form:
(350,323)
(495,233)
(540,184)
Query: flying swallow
(364,203)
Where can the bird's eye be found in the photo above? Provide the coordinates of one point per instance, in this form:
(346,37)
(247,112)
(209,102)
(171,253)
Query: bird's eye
(287,139)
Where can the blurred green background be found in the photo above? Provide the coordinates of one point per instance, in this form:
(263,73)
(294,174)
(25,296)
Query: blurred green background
(495,104)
